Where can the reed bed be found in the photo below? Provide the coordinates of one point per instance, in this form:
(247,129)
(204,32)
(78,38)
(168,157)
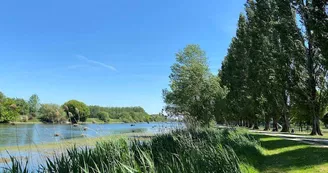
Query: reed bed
(183,151)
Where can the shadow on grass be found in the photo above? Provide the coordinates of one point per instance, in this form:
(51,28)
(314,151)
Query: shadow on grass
(299,158)
(279,143)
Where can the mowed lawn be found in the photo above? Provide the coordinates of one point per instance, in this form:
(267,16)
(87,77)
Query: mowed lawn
(281,155)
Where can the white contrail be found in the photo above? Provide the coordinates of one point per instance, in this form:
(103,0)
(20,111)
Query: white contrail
(96,62)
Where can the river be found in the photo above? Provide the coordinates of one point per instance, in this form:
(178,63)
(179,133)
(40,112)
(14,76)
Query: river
(18,135)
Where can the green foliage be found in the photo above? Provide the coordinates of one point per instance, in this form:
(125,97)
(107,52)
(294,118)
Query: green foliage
(193,89)
(8,110)
(157,118)
(314,17)
(76,111)
(234,76)
(52,113)
(2,97)
(17,166)
(325,120)
(34,105)
(124,114)
(22,106)
(272,69)
(103,116)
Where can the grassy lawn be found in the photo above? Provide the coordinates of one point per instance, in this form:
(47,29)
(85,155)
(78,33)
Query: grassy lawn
(280,155)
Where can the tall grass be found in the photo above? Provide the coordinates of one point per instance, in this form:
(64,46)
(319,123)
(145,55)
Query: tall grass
(192,151)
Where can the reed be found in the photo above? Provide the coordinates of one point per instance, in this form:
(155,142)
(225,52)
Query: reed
(192,151)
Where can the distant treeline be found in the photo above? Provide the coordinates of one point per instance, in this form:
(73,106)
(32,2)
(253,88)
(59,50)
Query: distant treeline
(124,114)
(17,109)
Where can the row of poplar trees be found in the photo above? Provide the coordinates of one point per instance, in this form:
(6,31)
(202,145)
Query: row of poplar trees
(276,66)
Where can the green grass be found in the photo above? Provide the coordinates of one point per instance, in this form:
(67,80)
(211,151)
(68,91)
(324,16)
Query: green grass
(281,155)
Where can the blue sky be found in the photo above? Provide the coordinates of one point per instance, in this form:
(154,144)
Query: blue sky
(106,52)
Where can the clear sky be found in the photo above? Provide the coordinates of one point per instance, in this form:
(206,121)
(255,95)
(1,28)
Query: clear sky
(106,52)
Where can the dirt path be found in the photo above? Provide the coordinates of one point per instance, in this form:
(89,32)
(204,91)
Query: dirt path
(320,142)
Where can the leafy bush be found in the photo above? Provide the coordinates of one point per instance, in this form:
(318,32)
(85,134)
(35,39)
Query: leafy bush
(104,116)
(51,113)
(76,111)
(8,110)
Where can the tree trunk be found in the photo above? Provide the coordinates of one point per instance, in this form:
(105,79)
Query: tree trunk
(267,124)
(285,117)
(307,127)
(256,126)
(285,125)
(316,126)
(312,77)
(275,125)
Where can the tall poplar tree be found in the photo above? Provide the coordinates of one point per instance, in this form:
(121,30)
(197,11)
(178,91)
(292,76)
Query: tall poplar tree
(312,12)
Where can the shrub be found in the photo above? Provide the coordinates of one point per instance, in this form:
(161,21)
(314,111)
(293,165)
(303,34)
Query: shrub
(51,113)
(76,111)
(104,116)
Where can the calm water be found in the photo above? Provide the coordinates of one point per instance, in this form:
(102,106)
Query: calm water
(17,135)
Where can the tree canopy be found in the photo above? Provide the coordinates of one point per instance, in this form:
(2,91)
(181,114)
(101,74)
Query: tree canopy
(279,71)
(76,111)
(52,113)
(193,89)
(275,70)
(34,105)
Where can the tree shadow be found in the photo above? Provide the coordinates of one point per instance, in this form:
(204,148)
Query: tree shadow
(279,143)
(310,156)
(298,158)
